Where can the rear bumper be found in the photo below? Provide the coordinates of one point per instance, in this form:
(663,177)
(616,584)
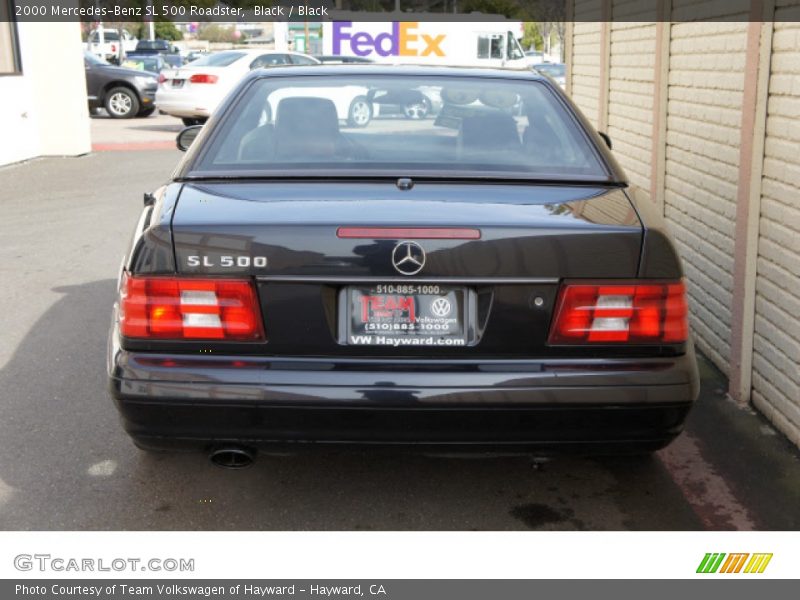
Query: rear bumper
(200,401)
(178,104)
(148,96)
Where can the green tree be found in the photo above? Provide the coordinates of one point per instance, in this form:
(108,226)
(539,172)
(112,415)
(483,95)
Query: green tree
(508,8)
(532,38)
(164,30)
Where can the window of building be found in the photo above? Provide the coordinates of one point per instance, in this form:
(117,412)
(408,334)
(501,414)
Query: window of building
(9,50)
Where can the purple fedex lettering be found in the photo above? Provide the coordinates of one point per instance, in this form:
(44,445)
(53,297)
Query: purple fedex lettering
(393,39)
(362,43)
(339,36)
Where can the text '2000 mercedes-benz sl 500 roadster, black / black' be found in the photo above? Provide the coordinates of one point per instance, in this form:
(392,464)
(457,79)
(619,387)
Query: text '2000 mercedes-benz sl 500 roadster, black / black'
(482,276)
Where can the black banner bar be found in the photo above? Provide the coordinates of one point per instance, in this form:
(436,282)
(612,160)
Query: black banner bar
(232,11)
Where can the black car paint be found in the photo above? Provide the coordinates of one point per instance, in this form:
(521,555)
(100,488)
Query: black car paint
(101,78)
(153,47)
(161,47)
(508,388)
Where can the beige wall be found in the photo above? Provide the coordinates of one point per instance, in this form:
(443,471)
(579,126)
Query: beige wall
(704,99)
(43,111)
(585,65)
(720,153)
(776,360)
(630,97)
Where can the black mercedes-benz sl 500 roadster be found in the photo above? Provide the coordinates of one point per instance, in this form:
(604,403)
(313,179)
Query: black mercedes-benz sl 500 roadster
(481,277)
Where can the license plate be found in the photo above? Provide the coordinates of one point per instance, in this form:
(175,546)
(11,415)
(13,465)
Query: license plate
(177,83)
(402,315)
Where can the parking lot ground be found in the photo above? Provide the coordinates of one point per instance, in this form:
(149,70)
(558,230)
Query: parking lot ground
(156,132)
(66,464)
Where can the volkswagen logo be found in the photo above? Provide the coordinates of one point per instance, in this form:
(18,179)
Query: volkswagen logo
(441,307)
(408,258)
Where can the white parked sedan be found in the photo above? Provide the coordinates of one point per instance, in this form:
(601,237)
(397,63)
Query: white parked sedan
(193,91)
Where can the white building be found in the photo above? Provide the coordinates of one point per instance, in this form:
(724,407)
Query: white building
(43,108)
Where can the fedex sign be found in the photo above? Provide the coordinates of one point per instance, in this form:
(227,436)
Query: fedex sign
(404,39)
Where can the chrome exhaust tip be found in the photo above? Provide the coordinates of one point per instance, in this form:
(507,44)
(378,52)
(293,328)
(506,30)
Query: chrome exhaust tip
(232,457)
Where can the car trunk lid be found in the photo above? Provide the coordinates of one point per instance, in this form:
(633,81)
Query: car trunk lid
(311,278)
(526,231)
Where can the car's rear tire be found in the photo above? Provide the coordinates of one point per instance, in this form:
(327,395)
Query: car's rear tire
(121,103)
(146,112)
(360,113)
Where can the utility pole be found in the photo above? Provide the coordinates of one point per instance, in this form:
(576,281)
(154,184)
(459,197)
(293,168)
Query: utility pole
(150,23)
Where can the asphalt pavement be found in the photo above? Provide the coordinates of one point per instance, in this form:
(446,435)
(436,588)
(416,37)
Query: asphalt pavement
(156,132)
(65,462)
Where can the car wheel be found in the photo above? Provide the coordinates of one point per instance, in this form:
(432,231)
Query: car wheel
(146,112)
(417,110)
(360,113)
(122,103)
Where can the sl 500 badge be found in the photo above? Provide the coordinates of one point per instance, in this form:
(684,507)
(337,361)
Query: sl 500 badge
(230,262)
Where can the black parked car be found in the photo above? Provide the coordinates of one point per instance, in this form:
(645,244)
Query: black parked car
(167,51)
(487,278)
(124,93)
(154,47)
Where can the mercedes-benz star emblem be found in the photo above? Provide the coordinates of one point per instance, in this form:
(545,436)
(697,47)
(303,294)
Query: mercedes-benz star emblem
(408,258)
(441,307)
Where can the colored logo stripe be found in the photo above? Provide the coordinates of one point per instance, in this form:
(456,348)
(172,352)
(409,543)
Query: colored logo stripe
(758,563)
(734,563)
(713,562)
(710,563)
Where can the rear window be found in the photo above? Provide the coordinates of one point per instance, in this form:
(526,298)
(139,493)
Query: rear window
(220,59)
(552,70)
(142,64)
(108,36)
(403,125)
(153,45)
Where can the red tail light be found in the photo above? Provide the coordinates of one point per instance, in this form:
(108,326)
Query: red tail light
(161,78)
(634,313)
(203,78)
(189,309)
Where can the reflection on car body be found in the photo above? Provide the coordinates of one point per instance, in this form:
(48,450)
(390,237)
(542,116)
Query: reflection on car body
(124,92)
(193,91)
(484,277)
